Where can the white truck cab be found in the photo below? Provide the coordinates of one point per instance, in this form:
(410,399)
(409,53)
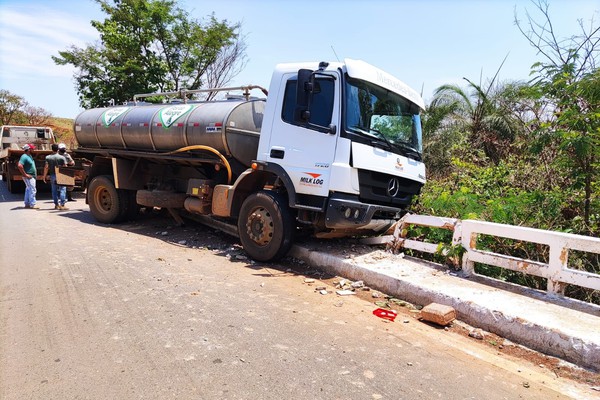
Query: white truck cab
(346,137)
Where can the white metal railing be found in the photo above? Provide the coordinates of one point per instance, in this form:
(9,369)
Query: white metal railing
(400,239)
(466,233)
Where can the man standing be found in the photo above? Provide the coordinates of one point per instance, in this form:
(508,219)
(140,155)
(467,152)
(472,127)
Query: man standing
(59,192)
(62,150)
(26,166)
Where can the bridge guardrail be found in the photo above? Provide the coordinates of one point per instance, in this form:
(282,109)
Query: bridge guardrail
(466,233)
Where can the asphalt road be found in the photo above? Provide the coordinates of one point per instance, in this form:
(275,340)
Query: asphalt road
(89,311)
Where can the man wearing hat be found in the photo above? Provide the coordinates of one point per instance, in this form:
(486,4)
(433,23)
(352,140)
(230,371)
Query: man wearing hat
(59,192)
(62,150)
(26,166)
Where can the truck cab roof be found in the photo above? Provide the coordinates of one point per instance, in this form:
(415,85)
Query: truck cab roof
(358,69)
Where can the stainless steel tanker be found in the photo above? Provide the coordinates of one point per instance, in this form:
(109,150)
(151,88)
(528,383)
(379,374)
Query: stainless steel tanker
(231,127)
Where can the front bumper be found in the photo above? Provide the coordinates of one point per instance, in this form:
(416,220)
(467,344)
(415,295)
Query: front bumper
(344,212)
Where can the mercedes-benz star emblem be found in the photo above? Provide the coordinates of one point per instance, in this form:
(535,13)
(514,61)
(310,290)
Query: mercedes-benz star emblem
(393,187)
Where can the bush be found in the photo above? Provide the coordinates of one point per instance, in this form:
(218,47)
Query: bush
(514,192)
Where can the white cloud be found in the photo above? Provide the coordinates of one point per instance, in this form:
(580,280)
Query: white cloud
(29,36)
(30,33)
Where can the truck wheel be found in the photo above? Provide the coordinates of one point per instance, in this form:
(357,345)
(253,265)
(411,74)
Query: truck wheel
(266,226)
(129,207)
(105,203)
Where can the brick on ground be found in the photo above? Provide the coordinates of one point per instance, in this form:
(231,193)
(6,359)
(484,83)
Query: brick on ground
(438,314)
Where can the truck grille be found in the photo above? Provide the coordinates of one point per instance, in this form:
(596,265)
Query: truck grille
(385,189)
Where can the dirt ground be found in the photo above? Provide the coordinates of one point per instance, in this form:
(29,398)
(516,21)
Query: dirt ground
(406,312)
(148,309)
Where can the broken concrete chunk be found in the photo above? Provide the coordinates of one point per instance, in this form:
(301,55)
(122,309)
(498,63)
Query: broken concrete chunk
(345,292)
(438,314)
(477,334)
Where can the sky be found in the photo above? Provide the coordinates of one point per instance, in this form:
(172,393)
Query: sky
(425,43)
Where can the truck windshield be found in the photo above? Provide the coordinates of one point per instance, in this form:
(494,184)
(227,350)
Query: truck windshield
(383,118)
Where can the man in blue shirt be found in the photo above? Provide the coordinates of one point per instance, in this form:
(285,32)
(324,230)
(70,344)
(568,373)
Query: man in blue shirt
(26,166)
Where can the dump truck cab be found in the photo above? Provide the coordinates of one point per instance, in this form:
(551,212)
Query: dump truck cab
(13,138)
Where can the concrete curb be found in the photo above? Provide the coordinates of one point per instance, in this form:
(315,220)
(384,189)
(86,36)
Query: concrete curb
(564,328)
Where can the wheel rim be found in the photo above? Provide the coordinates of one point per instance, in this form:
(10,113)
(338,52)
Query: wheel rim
(260,226)
(103,200)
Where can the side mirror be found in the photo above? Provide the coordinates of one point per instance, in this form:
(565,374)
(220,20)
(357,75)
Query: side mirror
(304,88)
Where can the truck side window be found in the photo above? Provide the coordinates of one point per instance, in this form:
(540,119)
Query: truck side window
(321,108)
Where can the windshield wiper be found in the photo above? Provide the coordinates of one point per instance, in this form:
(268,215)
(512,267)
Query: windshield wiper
(380,136)
(409,150)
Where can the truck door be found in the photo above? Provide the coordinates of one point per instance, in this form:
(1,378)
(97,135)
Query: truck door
(306,152)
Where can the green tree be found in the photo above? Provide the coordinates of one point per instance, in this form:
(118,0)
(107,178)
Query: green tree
(148,46)
(10,106)
(440,139)
(473,115)
(569,81)
(36,115)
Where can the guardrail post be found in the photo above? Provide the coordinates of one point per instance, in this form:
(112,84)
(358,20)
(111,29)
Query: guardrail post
(558,261)
(469,243)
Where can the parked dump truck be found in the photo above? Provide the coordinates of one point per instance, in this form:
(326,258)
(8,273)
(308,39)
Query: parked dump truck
(334,149)
(13,139)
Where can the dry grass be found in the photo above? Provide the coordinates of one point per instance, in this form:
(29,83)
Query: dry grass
(63,130)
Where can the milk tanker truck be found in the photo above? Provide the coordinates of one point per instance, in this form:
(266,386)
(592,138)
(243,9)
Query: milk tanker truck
(334,149)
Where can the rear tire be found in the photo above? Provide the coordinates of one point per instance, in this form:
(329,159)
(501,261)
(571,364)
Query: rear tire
(129,209)
(266,226)
(106,203)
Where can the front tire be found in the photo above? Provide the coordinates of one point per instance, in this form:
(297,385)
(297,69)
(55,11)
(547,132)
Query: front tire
(266,226)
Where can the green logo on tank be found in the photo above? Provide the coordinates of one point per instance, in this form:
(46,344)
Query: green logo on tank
(111,114)
(171,114)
